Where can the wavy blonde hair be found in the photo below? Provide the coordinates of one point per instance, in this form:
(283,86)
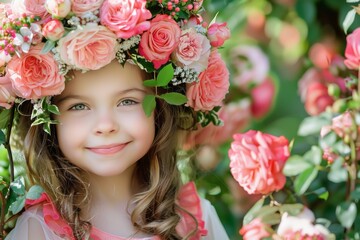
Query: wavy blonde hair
(155,209)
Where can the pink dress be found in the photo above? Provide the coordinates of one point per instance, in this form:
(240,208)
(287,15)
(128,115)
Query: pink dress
(55,228)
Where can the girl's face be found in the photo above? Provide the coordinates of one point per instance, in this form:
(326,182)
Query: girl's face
(103,128)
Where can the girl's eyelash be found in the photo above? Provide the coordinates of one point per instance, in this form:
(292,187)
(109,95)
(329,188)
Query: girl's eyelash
(75,107)
(128,102)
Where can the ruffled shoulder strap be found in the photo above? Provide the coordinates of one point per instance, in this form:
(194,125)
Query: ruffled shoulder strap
(189,200)
(51,216)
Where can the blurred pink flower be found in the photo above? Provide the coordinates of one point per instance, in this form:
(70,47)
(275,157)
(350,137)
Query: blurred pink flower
(317,99)
(35,75)
(207,157)
(218,33)
(251,64)
(322,53)
(301,227)
(329,155)
(344,125)
(289,36)
(235,117)
(7,95)
(126,18)
(352,50)
(255,230)
(262,98)
(257,160)
(212,86)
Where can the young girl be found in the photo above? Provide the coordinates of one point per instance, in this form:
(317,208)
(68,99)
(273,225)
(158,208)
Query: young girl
(105,160)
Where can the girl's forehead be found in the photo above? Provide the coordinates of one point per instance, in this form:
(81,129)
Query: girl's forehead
(111,77)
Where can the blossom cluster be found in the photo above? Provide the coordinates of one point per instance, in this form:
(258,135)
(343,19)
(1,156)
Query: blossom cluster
(40,41)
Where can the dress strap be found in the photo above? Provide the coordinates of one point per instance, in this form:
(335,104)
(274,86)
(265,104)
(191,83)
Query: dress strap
(52,217)
(189,201)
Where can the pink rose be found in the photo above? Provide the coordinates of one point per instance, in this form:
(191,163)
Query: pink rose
(79,7)
(301,227)
(352,53)
(7,95)
(58,8)
(53,30)
(160,40)
(35,75)
(344,125)
(212,86)
(255,230)
(317,99)
(30,7)
(193,50)
(257,160)
(251,64)
(89,48)
(262,98)
(218,33)
(126,18)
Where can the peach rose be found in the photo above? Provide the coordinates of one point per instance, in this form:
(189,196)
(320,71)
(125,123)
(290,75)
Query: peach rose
(257,160)
(126,18)
(35,75)
(53,30)
(218,33)
(30,7)
(251,64)
(352,52)
(89,48)
(160,40)
(212,86)
(262,98)
(7,95)
(255,230)
(79,7)
(193,50)
(317,99)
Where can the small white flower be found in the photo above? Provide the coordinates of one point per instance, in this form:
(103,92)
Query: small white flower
(23,40)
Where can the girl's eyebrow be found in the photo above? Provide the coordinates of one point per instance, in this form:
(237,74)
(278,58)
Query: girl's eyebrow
(76,96)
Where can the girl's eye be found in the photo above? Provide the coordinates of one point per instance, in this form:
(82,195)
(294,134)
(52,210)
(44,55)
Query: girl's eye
(79,107)
(127,102)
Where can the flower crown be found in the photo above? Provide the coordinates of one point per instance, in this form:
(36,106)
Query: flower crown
(41,40)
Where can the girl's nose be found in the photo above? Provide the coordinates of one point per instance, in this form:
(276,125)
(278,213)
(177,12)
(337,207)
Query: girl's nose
(106,124)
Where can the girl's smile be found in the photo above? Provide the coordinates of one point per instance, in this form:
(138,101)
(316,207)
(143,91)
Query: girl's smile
(107,149)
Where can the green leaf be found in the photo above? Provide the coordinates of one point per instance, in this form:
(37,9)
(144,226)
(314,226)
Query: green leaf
(251,213)
(322,193)
(53,109)
(47,47)
(328,140)
(295,165)
(341,148)
(17,186)
(165,75)
(292,209)
(2,137)
(355,195)
(349,19)
(303,181)
(346,213)
(314,156)
(149,104)
(18,205)
(174,98)
(4,117)
(352,1)
(337,172)
(271,219)
(150,83)
(34,192)
(313,125)
(266,210)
